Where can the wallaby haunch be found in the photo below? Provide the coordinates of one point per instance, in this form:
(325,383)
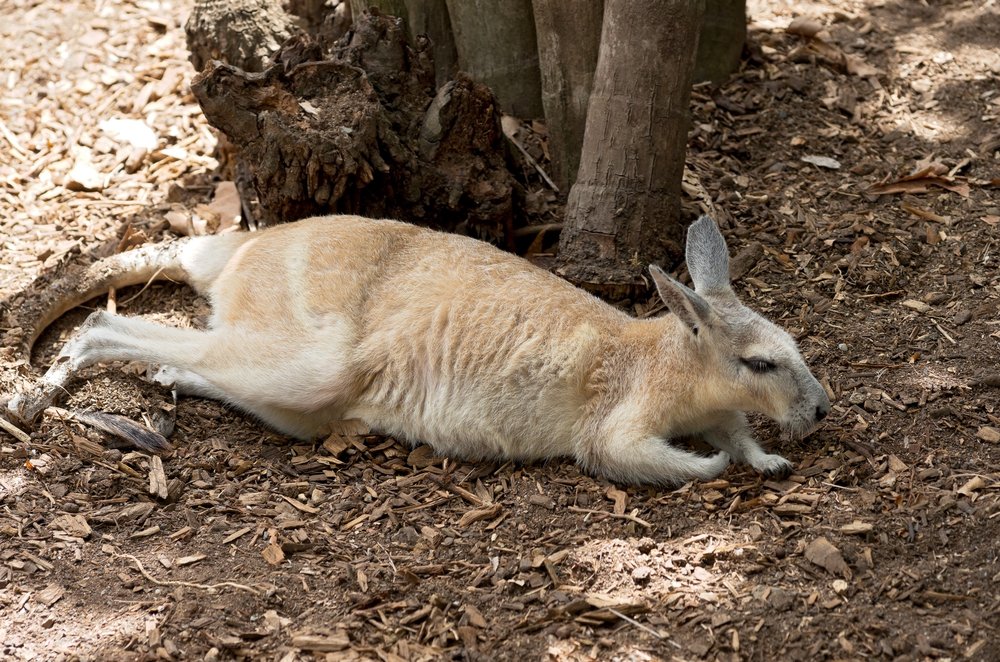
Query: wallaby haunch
(444,339)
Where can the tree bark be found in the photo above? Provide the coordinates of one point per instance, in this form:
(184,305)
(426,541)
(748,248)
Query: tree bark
(324,19)
(496,45)
(395,8)
(430,17)
(723,33)
(364,133)
(623,211)
(243,33)
(569,37)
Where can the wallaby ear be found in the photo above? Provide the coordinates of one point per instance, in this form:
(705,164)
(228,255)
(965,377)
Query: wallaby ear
(707,257)
(684,302)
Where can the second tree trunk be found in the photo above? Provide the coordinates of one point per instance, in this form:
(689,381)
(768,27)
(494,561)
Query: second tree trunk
(623,211)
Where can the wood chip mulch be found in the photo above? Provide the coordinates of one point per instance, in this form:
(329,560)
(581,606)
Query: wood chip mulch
(854,164)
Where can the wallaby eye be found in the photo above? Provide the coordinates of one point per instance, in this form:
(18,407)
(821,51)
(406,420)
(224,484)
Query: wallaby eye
(758,365)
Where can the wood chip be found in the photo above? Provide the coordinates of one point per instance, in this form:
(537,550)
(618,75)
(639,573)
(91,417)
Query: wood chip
(273,554)
(50,595)
(918,306)
(298,505)
(189,560)
(321,643)
(823,553)
(989,434)
(157,478)
(620,499)
(857,528)
(74,525)
(478,514)
(235,535)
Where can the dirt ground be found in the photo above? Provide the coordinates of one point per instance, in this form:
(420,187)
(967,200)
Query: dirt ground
(882,544)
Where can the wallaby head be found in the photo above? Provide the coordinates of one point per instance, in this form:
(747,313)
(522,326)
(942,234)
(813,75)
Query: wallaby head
(748,363)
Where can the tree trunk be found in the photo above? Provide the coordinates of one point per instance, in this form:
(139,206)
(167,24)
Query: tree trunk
(723,33)
(569,37)
(243,33)
(327,20)
(364,133)
(496,46)
(623,211)
(430,17)
(395,8)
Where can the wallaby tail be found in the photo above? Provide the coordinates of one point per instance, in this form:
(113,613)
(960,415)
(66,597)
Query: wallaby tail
(46,300)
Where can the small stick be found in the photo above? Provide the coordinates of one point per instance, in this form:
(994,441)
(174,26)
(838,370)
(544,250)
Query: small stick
(14,431)
(112,300)
(641,626)
(460,491)
(631,518)
(532,162)
(530,230)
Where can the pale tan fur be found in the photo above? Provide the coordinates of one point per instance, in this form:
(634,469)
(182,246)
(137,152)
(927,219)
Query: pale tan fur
(446,340)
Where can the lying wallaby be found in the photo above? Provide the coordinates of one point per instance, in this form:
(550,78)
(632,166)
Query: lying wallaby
(444,339)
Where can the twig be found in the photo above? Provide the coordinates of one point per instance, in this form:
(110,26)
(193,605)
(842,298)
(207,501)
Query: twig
(641,626)
(944,333)
(144,287)
(629,517)
(207,587)
(460,491)
(531,230)
(14,431)
(532,162)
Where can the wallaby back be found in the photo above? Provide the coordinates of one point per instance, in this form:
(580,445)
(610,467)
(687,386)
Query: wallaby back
(447,340)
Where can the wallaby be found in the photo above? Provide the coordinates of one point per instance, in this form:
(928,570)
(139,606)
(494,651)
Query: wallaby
(447,340)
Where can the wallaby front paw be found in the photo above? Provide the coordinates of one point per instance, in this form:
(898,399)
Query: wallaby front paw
(166,376)
(772,465)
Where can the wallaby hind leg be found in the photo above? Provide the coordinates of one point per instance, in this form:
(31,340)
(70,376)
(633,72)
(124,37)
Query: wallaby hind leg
(106,337)
(189,356)
(733,436)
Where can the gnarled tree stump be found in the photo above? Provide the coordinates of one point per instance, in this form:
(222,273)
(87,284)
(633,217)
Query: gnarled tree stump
(362,131)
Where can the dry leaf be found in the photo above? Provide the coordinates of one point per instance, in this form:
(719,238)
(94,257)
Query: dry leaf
(926,174)
(189,560)
(896,465)
(225,210)
(970,486)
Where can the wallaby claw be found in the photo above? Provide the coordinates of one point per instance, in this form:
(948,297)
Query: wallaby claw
(774,466)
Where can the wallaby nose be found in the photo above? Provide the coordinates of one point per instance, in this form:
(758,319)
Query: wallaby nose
(821,412)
